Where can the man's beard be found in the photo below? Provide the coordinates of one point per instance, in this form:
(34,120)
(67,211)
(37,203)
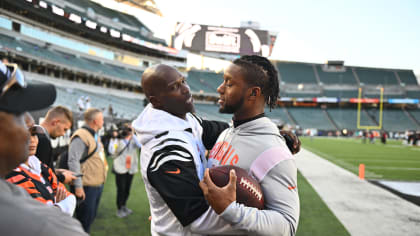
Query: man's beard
(231,109)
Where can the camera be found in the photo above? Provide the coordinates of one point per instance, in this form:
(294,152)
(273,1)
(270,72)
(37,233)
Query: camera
(124,132)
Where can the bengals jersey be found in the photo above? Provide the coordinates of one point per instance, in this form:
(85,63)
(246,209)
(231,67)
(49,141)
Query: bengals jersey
(42,187)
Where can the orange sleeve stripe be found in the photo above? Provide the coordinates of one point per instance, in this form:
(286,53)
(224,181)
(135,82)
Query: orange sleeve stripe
(15,179)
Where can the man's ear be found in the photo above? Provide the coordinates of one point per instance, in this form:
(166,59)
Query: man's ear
(255,92)
(155,101)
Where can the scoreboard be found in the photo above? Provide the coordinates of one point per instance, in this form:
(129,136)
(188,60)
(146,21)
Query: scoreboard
(229,40)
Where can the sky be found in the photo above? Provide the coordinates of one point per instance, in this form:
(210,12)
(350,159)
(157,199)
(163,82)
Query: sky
(373,33)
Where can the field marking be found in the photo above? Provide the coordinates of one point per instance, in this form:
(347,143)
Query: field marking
(391,168)
(343,163)
(376,160)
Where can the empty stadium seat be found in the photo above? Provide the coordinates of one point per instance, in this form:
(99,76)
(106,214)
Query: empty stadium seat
(296,73)
(311,118)
(407,77)
(376,76)
(345,77)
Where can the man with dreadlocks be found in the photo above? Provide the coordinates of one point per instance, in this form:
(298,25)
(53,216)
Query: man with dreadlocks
(255,144)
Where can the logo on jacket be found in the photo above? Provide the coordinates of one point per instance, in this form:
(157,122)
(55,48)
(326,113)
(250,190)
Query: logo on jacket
(175,172)
(224,154)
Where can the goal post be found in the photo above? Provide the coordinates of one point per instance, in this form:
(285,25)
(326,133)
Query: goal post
(359,108)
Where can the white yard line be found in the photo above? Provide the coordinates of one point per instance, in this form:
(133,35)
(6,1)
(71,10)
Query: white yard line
(363,208)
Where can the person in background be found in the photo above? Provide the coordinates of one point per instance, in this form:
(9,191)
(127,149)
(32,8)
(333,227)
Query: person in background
(124,150)
(40,181)
(57,121)
(21,214)
(85,142)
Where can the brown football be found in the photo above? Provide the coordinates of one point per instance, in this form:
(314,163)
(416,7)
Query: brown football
(248,190)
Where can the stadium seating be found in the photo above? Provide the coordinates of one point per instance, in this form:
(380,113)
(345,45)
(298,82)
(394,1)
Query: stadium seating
(279,116)
(311,117)
(341,93)
(300,95)
(415,114)
(110,18)
(207,82)
(124,107)
(397,120)
(336,77)
(413,94)
(407,77)
(296,73)
(371,76)
(346,118)
(211,112)
(69,60)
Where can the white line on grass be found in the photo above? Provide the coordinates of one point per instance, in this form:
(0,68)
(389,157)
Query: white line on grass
(391,168)
(343,163)
(375,160)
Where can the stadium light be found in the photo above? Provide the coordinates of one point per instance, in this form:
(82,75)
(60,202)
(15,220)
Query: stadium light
(57,10)
(75,18)
(114,33)
(90,24)
(29,0)
(104,29)
(126,37)
(43,4)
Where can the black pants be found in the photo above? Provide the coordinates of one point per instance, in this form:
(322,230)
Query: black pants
(87,209)
(123,182)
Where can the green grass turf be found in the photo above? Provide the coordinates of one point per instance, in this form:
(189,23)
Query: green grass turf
(391,161)
(315,218)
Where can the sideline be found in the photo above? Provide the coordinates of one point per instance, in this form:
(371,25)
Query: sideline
(362,207)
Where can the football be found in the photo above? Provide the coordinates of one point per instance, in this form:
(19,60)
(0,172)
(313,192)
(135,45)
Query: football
(248,190)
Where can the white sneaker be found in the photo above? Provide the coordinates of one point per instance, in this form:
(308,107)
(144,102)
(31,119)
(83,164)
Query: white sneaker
(126,210)
(121,213)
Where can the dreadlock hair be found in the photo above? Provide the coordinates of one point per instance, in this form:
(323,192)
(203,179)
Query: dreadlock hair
(261,73)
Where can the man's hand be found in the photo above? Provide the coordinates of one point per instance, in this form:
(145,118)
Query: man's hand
(219,198)
(68,175)
(60,194)
(292,141)
(80,193)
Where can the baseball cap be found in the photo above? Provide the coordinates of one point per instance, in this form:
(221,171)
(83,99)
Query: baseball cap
(16,96)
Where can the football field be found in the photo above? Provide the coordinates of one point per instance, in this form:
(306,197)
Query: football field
(391,161)
(315,218)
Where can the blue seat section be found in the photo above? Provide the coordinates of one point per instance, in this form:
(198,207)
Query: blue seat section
(346,118)
(397,120)
(300,95)
(345,77)
(407,77)
(373,76)
(278,115)
(413,94)
(415,114)
(211,112)
(296,73)
(385,96)
(311,118)
(66,42)
(341,93)
(70,60)
(204,81)
(136,27)
(123,107)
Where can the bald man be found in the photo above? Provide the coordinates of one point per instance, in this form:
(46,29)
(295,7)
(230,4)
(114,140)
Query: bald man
(174,142)
(172,159)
